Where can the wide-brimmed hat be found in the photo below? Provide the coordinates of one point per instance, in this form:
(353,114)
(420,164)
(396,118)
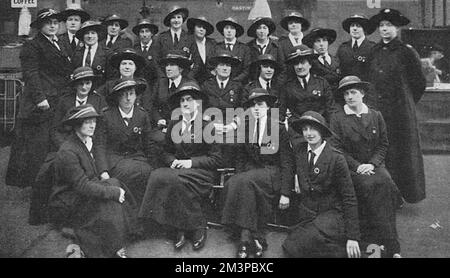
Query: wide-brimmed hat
(251,32)
(122,22)
(301,52)
(173,11)
(316,33)
(178,57)
(391,15)
(311,118)
(202,21)
(80,12)
(43,15)
(189,87)
(362,20)
(260,94)
(126,83)
(75,114)
(91,25)
(264,59)
(351,81)
(127,54)
(297,17)
(145,23)
(81,73)
(230,21)
(224,56)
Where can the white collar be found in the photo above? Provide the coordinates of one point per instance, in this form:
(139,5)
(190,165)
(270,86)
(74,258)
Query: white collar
(172,32)
(263,82)
(71,36)
(93,47)
(263,44)
(201,42)
(262,127)
(177,81)
(348,111)
(81,99)
(129,115)
(317,151)
(359,41)
(292,38)
(327,57)
(307,78)
(233,42)
(51,39)
(146,45)
(225,82)
(113,39)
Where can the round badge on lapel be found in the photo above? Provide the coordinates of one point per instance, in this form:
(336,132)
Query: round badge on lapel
(81,44)
(149,57)
(99,67)
(135,129)
(316,171)
(192,136)
(231,92)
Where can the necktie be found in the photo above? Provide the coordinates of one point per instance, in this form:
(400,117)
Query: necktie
(311,160)
(261,48)
(355,46)
(175,39)
(109,44)
(126,120)
(88,61)
(173,87)
(73,43)
(80,102)
(229,46)
(222,85)
(144,49)
(256,137)
(268,85)
(305,83)
(325,62)
(296,40)
(55,43)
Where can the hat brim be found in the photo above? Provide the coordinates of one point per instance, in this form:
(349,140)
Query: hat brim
(38,22)
(174,99)
(192,22)
(72,122)
(90,77)
(368,27)
(311,37)
(397,20)
(153,28)
(101,32)
(295,59)
(255,65)
(269,99)
(305,23)
(214,61)
(82,14)
(122,22)
(221,24)
(182,62)
(116,58)
(357,84)
(139,87)
(183,11)
(251,32)
(298,124)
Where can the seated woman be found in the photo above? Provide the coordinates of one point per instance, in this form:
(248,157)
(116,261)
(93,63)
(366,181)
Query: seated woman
(261,177)
(328,212)
(94,207)
(82,93)
(361,135)
(174,194)
(125,137)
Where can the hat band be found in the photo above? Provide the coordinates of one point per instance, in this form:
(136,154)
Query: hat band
(47,13)
(124,84)
(83,75)
(82,113)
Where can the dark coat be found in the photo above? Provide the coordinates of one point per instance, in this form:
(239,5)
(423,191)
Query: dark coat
(174,196)
(317,97)
(202,71)
(331,73)
(57,133)
(275,89)
(46,73)
(65,42)
(242,51)
(364,140)
(355,62)
(286,48)
(396,74)
(229,97)
(120,43)
(81,200)
(99,64)
(274,49)
(151,72)
(164,43)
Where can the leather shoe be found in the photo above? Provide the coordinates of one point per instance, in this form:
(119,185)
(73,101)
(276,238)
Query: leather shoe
(180,241)
(243,250)
(199,239)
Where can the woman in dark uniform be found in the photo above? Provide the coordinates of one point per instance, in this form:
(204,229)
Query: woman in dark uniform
(362,136)
(399,83)
(96,208)
(81,93)
(174,194)
(125,136)
(328,211)
(261,177)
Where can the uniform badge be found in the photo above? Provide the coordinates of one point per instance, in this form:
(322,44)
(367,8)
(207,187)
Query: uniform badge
(316,171)
(317,93)
(185,49)
(338,71)
(137,130)
(192,136)
(362,59)
(149,57)
(374,131)
(81,44)
(99,67)
(231,92)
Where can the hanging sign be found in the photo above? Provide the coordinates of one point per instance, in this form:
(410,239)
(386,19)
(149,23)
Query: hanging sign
(23,3)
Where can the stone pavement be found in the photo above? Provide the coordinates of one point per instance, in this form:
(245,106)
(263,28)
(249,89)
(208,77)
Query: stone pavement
(417,237)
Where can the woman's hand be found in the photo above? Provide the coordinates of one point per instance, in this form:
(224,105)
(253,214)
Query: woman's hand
(353,249)
(162,122)
(43,105)
(179,164)
(122,196)
(284,202)
(105,176)
(366,169)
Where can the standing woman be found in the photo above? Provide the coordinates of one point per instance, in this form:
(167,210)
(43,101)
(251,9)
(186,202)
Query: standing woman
(361,135)
(328,212)
(261,179)
(125,136)
(81,93)
(95,207)
(73,19)
(175,193)
(46,69)
(399,83)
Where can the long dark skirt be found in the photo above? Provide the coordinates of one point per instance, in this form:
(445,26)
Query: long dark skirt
(134,172)
(249,199)
(174,197)
(376,203)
